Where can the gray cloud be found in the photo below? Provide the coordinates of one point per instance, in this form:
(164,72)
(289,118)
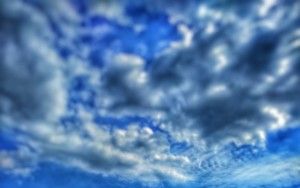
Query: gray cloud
(31,84)
(236,81)
(221,84)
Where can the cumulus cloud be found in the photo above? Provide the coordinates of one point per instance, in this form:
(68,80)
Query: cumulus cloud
(131,153)
(30,69)
(221,85)
(231,76)
(33,97)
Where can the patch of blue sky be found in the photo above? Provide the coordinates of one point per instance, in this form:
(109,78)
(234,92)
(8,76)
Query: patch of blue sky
(81,93)
(7,142)
(118,37)
(179,147)
(81,6)
(125,39)
(285,141)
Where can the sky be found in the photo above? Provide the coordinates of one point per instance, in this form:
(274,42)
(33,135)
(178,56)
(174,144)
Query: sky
(149,93)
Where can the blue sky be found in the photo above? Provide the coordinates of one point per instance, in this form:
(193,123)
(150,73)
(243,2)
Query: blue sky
(149,93)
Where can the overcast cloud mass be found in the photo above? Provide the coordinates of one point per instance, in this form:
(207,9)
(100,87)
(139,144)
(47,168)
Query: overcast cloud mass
(149,93)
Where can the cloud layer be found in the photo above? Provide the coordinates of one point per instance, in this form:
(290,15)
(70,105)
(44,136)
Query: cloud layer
(151,90)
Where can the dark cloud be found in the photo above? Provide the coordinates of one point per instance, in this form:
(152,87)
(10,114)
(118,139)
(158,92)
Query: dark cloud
(210,74)
(29,74)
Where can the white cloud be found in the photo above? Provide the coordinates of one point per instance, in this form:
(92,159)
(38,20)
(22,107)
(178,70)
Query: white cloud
(31,84)
(206,94)
(282,172)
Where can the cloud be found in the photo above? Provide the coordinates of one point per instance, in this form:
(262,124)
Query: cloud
(230,77)
(281,171)
(31,81)
(131,153)
(218,87)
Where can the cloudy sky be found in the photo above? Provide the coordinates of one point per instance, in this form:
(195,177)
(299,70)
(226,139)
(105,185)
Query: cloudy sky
(149,93)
